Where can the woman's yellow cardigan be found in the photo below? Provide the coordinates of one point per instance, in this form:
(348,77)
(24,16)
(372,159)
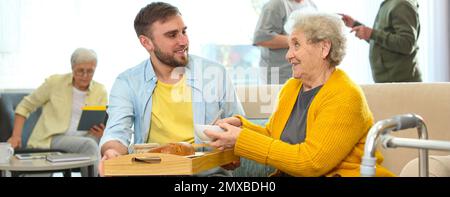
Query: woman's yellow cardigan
(338,120)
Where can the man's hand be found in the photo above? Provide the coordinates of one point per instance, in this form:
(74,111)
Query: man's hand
(362,32)
(348,20)
(15,141)
(97,130)
(109,154)
(231,120)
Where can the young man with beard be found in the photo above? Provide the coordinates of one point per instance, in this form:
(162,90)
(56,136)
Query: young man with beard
(164,96)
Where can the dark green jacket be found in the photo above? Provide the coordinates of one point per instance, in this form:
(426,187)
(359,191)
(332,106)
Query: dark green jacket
(393,44)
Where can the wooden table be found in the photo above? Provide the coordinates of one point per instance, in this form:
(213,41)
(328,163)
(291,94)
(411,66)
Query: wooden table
(17,167)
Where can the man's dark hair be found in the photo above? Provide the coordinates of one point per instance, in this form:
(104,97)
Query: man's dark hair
(153,12)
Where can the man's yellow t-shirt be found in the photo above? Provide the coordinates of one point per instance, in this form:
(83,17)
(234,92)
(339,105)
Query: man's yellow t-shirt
(172,119)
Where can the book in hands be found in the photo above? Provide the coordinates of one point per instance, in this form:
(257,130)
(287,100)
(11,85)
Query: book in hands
(91,116)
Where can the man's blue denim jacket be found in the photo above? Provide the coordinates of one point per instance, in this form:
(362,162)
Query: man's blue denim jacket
(130,103)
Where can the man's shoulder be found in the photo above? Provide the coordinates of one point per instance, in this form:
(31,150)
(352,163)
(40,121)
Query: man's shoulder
(274,4)
(134,71)
(409,4)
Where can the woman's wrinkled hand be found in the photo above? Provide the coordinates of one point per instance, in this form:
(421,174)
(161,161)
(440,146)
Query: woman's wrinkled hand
(224,140)
(231,120)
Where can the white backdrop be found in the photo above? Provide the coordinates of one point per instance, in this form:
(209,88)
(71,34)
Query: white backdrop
(37,37)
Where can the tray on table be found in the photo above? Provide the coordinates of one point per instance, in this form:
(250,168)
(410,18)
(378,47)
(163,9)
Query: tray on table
(148,164)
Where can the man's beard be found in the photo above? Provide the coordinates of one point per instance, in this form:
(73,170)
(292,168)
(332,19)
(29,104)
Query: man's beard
(170,60)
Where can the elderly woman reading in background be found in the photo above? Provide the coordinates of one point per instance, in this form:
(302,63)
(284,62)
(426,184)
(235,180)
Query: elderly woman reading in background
(320,124)
(62,98)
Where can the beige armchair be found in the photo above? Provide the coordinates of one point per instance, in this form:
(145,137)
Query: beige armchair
(439,166)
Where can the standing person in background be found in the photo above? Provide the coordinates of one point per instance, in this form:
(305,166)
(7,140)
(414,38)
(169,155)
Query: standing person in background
(272,38)
(393,41)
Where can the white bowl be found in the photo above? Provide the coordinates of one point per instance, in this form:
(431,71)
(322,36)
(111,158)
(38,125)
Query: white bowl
(200,131)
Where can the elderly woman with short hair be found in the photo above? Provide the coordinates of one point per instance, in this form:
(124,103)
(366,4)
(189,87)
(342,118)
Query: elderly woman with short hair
(62,98)
(320,124)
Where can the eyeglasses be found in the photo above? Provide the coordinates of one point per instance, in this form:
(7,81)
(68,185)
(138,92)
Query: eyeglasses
(82,72)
